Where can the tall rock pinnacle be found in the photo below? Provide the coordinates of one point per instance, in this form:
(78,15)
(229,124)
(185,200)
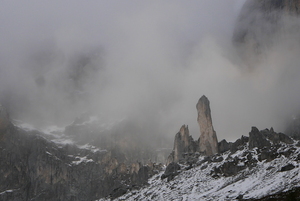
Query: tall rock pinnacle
(208,142)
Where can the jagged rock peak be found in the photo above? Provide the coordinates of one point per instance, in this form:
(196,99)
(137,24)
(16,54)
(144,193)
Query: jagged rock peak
(257,139)
(208,142)
(183,143)
(4,119)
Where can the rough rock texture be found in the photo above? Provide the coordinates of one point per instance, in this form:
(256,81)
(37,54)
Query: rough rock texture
(276,138)
(33,168)
(183,145)
(257,139)
(239,143)
(224,146)
(245,174)
(171,171)
(208,142)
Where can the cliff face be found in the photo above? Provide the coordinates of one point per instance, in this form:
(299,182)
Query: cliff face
(34,168)
(208,142)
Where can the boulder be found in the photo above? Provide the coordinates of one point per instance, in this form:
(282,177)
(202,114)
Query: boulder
(208,142)
(287,167)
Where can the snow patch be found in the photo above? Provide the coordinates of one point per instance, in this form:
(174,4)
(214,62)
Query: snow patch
(81,160)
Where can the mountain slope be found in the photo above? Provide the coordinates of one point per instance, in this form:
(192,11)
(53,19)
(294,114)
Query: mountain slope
(244,174)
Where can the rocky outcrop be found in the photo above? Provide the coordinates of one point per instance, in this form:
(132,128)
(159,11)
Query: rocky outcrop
(239,144)
(185,149)
(257,139)
(208,142)
(183,145)
(276,138)
(171,171)
(224,146)
(266,138)
(33,168)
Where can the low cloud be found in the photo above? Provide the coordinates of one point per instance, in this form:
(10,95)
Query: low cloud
(148,61)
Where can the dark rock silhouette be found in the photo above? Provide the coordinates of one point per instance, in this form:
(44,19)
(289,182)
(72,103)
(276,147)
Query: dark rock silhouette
(257,139)
(171,171)
(224,146)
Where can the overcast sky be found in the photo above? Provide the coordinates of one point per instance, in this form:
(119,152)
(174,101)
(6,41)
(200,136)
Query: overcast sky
(147,60)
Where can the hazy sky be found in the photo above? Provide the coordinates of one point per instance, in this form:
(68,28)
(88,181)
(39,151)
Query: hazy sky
(147,60)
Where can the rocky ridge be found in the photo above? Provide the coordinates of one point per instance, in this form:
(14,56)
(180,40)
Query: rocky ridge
(250,168)
(253,168)
(33,167)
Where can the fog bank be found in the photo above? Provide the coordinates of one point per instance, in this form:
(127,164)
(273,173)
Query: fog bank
(146,60)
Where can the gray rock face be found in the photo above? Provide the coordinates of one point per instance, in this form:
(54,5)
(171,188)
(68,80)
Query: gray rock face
(257,139)
(208,142)
(183,144)
(239,143)
(224,146)
(171,171)
(276,138)
(33,168)
(266,138)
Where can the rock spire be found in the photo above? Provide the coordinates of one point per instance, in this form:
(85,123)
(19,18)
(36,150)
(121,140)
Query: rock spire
(183,144)
(208,142)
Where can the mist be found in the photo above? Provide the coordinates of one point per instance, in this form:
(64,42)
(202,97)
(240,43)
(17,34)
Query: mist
(149,61)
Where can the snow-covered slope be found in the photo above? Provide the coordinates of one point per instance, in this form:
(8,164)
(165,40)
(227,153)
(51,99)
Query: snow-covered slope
(204,182)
